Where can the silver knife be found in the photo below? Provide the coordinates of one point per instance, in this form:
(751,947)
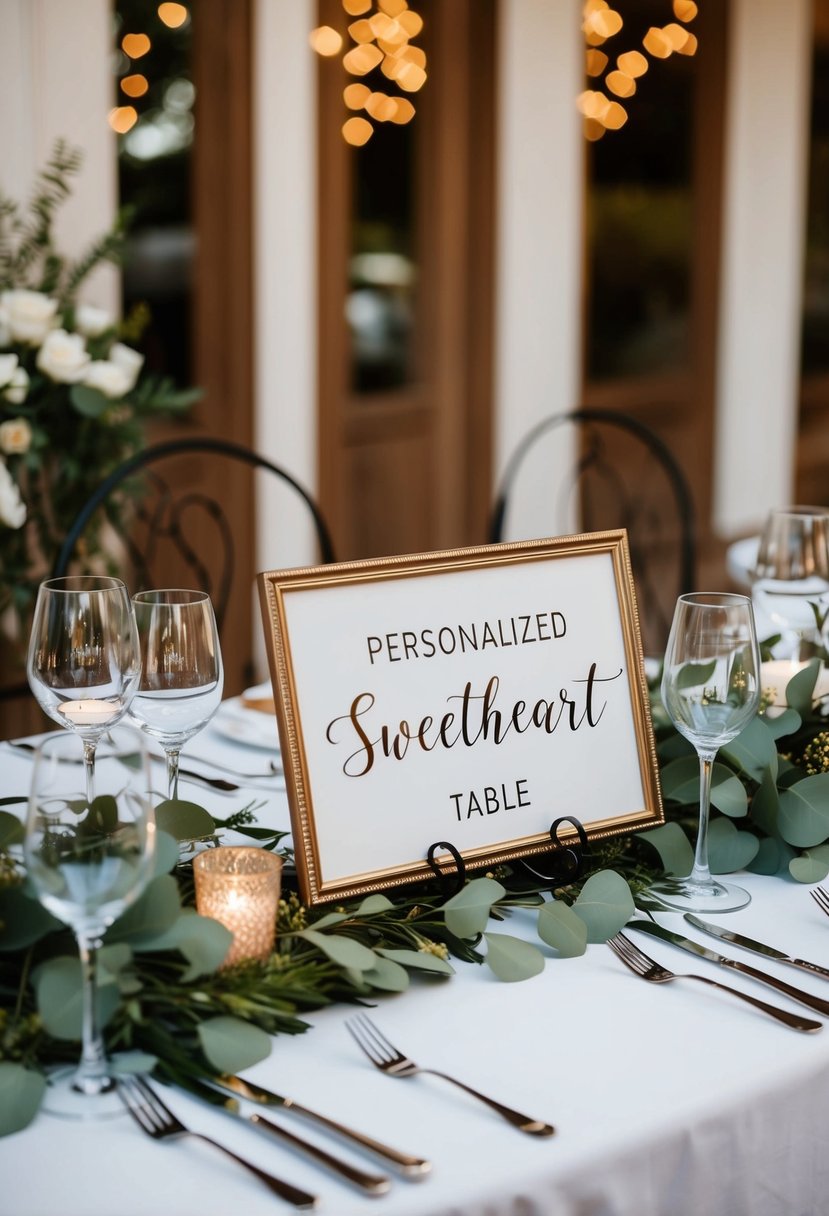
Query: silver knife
(413,1167)
(685,943)
(748,943)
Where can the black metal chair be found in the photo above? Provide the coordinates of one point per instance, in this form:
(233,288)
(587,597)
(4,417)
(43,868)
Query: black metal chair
(167,519)
(624,477)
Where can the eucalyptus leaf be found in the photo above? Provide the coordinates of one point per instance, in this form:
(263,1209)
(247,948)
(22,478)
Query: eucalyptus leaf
(801,687)
(421,960)
(808,868)
(753,751)
(692,675)
(728,848)
(88,402)
(204,942)
(512,959)
(680,783)
(387,975)
(783,724)
(127,1063)
(561,928)
(773,856)
(21,1093)
(166,853)
(673,847)
(23,919)
(373,904)
(729,796)
(11,829)
(184,820)
(152,913)
(804,811)
(466,914)
(341,950)
(59,994)
(765,805)
(331,918)
(232,1045)
(605,904)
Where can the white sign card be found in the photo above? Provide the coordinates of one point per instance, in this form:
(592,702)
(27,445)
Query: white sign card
(473,696)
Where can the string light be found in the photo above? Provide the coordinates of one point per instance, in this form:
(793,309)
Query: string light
(599,23)
(123,119)
(381,37)
(173,15)
(135,45)
(135,86)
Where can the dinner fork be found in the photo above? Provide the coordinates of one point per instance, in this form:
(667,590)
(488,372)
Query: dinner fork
(385,1056)
(643,965)
(821,898)
(154,1118)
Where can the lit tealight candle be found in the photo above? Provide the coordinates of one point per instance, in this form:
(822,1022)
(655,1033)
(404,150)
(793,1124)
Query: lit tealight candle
(239,887)
(89,712)
(774,679)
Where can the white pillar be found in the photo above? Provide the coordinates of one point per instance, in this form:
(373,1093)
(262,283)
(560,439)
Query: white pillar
(540,201)
(763,238)
(56,81)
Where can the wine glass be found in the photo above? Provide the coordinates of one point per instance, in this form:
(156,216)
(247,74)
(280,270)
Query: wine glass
(182,677)
(88,860)
(791,575)
(83,663)
(711,690)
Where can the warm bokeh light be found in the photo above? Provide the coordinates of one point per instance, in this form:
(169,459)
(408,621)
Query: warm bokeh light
(123,119)
(632,63)
(361,59)
(404,111)
(412,22)
(593,104)
(685,10)
(656,44)
(593,129)
(676,35)
(357,131)
(690,47)
(596,62)
(615,116)
(593,6)
(173,15)
(604,22)
(381,107)
(355,7)
(355,96)
(325,40)
(621,84)
(361,31)
(393,7)
(135,45)
(135,86)
(411,77)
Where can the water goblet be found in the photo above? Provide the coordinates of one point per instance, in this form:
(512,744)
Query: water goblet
(791,576)
(711,690)
(88,860)
(83,662)
(182,677)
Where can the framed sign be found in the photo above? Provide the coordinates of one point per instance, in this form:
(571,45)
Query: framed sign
(470,697)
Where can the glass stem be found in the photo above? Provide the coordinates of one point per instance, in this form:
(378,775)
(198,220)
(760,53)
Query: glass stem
(172,772)
(92,1076)
(89,767)
(701,872)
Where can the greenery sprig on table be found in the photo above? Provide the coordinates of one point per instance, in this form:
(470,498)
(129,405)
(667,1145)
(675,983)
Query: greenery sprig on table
(168,1005)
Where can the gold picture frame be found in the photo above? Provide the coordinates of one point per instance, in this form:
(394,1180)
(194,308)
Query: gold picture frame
(471,696)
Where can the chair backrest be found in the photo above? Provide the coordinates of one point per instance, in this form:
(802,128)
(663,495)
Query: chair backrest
(624,476)
(167,517)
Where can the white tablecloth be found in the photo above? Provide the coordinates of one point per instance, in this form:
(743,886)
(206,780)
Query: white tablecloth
(669,1101)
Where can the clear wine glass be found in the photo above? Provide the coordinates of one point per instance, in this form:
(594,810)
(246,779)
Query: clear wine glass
(182,676)
(711,690)
(87,861)
(791,575)
(83,663)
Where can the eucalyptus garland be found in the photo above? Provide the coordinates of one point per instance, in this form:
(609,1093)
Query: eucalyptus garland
(169,1006)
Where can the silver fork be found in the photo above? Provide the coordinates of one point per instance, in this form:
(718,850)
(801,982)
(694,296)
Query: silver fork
(821,898)
(643,965)
(154,1118)
(385,1056)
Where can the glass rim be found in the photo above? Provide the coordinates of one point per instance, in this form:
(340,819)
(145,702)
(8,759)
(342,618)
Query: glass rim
(805,511)
(92,584)
(714,599)
(218,861)
(159,597)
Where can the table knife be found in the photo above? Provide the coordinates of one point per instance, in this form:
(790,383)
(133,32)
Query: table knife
(748,943)
(685,943)
(411,1166)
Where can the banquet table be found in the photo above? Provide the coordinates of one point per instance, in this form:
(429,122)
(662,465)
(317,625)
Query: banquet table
(668,1100)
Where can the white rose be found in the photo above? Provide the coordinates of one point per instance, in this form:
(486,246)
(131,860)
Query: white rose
(12,507)
(8,363)
(30,315)
(91,321)
(18,387)
(128,359)
(15,436)
(108,378)
(63,357)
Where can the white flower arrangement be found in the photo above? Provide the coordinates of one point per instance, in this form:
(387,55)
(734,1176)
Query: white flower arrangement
(73,394)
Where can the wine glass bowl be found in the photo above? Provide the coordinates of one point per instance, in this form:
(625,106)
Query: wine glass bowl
(87,861)
(182,677)
(791,575)
(711,691)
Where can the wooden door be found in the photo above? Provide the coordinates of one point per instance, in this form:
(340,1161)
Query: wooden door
(404,434)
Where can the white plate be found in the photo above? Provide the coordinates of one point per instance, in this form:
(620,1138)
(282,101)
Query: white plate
(251,727)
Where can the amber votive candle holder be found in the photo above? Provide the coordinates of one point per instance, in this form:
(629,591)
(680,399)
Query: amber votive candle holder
(239,887)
